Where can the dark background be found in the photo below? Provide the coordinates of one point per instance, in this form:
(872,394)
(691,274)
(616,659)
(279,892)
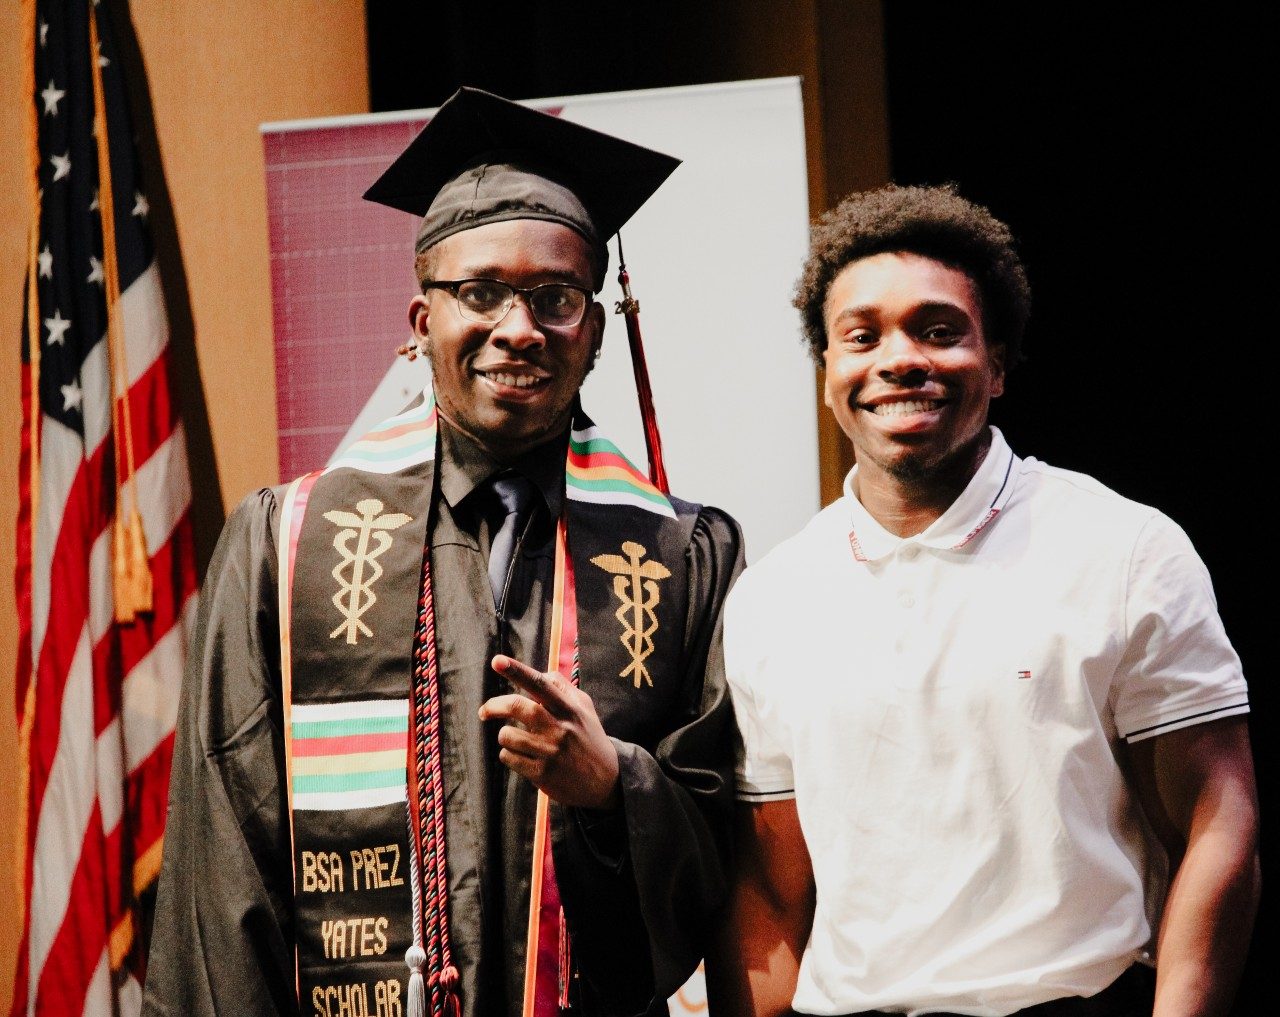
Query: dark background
(1128,161)
(1127,158)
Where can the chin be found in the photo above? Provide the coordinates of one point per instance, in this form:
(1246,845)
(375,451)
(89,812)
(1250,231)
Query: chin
(913,469)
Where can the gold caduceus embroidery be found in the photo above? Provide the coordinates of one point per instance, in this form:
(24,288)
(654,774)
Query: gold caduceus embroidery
(636,584)
(355,588)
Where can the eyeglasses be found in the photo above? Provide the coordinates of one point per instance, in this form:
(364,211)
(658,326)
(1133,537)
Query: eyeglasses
(487,301)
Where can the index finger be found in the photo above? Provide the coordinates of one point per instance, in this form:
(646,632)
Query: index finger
(542,688)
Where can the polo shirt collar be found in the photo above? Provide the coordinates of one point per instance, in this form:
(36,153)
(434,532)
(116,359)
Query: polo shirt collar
(977,507)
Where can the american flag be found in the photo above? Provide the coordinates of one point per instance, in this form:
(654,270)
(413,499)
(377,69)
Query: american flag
(102,441)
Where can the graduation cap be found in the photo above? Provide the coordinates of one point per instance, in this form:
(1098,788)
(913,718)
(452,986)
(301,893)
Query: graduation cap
(486,159)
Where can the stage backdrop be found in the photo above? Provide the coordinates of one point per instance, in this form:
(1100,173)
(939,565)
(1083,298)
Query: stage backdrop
(713,258)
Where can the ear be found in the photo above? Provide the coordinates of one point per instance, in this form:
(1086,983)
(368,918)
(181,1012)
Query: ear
(593,326)
(995,356)
(419,313)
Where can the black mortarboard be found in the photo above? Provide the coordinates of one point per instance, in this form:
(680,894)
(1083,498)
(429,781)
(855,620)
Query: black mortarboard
(486,159)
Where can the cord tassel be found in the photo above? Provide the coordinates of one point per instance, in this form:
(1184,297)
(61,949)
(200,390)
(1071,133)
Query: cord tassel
(416,1003)
(450,985)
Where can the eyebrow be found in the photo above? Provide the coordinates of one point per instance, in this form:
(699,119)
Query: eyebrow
(550,275)
(926,307)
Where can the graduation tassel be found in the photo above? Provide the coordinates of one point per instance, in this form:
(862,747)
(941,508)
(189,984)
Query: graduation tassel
(629,308)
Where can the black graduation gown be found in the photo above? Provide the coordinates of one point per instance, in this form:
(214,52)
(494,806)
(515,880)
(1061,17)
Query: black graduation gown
(640,885)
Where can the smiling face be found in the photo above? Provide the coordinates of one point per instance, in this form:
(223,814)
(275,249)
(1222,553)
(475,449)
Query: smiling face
(909,375)
(511,385)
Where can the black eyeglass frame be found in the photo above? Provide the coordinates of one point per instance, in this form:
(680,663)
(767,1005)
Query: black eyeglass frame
(452,286)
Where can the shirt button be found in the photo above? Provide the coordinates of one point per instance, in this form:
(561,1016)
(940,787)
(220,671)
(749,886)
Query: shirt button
(906,599)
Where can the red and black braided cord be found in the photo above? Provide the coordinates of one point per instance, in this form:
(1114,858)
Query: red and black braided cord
(426,809)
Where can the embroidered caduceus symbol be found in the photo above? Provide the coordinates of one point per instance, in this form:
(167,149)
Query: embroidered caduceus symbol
(636,584)
(359,569)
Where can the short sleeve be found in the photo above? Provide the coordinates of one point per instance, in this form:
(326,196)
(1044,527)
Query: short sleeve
(763,770)
(1178,667)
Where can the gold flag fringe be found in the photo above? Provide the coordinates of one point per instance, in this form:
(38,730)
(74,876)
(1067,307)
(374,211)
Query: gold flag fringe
(131,566)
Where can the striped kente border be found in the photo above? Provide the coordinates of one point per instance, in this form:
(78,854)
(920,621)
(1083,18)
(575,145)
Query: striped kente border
(598,472)
(405,440)
(349,755)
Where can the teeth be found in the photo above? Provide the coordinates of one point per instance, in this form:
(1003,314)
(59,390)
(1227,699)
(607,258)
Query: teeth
(901,409)
(514,380)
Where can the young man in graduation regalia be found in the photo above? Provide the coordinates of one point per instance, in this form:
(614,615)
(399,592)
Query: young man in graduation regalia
(492,778)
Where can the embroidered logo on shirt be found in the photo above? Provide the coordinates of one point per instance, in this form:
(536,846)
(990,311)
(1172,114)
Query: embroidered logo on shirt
(359,569)
(635,582)
(1022,675)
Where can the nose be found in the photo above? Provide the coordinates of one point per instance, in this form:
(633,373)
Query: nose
(518,329)
(902,359)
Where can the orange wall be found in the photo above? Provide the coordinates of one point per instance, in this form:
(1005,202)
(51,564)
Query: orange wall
(216,70)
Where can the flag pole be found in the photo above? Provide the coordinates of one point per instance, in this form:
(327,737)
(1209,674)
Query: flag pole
(26,717)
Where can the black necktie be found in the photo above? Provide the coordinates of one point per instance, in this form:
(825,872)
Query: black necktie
(514,493)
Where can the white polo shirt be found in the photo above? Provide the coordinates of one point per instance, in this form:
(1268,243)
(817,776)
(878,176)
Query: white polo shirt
(946,710)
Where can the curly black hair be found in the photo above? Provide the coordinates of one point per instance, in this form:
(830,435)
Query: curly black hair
(934,222)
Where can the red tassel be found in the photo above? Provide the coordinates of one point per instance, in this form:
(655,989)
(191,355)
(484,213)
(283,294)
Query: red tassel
(629,308)
(450,984)
(564,963)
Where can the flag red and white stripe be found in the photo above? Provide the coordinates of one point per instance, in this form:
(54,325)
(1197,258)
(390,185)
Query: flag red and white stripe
(97,699)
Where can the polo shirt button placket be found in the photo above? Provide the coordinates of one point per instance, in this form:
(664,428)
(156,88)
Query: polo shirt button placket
(908,553)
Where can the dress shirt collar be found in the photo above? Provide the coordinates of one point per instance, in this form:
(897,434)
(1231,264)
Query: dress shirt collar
(465,465)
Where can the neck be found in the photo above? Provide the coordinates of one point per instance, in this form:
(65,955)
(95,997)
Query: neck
(905,503)
(508,452)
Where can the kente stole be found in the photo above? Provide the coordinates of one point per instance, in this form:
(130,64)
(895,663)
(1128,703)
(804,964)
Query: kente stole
(351,546)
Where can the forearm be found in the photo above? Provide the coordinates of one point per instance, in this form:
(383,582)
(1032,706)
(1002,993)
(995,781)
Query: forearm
(1198,792)
(755,960)
(1207,924)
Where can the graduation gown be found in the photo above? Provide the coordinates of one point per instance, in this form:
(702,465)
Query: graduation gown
(640,884)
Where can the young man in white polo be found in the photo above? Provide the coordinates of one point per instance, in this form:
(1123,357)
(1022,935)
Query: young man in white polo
(994,758)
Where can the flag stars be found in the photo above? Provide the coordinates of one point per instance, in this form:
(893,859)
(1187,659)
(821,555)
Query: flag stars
(102,61)
(93,205)
(57,326)
(61,165)
(140,205)
(95,272)
(71,396)
(44,33)
(45,263)
(52,96)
